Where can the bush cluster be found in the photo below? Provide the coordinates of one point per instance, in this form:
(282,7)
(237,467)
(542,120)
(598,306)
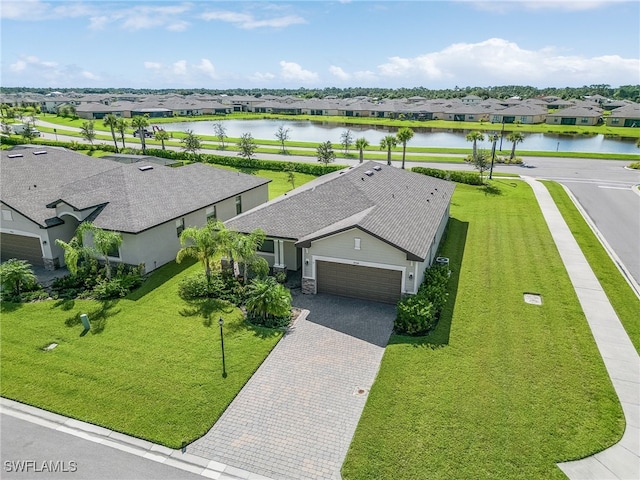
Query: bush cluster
(222,285)
(90,281)
(635,165)
(470,178)
(419,313)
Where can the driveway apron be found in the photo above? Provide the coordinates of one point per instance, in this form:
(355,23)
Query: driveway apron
(296,416)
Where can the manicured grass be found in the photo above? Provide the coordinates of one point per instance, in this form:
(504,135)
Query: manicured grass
(501,388)
(150,367)
(622,297)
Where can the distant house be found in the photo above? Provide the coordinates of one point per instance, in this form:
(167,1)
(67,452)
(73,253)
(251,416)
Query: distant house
(524,113)
(576,115)
(627,116)
(47,192)
(367,232)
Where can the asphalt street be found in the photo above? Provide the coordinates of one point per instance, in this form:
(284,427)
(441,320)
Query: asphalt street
(31,451)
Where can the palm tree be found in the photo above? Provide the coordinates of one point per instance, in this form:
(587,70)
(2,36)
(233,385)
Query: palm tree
(75,249)
(361,144)
(268,299)
(325,153)
(404,135)
(206,244)
(474,137)
(387,143)
(191,143)
(493,138)
(111,121)
(246,249)
(15,274)
(105,243)
(121,126)
(140,123)
(515,138)
(163,136)
(88,132)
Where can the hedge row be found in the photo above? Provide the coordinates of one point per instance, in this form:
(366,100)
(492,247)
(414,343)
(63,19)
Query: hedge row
(316,169)
(470,178)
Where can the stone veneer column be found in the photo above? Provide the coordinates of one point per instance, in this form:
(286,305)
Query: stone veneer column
(308,285)
(51,263)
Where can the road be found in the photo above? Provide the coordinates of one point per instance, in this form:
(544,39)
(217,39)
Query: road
(23,441)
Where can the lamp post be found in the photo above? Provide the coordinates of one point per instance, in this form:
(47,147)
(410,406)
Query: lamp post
(224,368)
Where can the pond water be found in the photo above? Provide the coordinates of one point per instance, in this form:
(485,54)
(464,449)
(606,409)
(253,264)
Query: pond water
(308,131)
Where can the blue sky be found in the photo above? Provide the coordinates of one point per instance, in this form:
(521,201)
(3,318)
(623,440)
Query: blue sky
(311,44)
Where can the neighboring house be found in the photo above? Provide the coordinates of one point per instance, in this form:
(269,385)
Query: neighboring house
(527,114)
(576,115)
(47,192)
(626,116)
(368,231)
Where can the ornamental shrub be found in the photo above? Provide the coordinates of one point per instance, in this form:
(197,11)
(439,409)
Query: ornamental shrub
(419,313)
(470,178)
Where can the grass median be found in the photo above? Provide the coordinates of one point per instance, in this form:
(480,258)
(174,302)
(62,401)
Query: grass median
(501,388)
(622,298)
(150,367)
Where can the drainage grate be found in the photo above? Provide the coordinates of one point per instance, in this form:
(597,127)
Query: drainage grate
(533,298)
(360,391)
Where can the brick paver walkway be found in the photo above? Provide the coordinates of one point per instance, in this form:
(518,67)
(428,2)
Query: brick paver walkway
(296,416)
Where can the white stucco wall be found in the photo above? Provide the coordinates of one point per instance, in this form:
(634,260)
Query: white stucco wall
(372,253)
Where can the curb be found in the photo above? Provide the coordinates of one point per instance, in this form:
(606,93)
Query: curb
(135,446)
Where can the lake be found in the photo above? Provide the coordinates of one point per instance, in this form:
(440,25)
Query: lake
(310,131)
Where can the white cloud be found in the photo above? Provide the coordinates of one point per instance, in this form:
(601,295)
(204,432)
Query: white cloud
(152,65)
(207,68)
(89,76)
(24,10)
(262,77)
(32,68)
(498,62)
(339,73)
(504,6)
(143,17)
(291,71)
(249,22)
(179,68)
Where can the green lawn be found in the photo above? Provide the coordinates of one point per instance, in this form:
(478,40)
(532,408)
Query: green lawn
(501,388)
(150,367)
(622,298)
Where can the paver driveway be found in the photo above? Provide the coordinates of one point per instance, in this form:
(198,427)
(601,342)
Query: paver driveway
(296,416)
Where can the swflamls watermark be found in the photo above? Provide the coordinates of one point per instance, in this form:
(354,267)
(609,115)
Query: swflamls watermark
(35,466)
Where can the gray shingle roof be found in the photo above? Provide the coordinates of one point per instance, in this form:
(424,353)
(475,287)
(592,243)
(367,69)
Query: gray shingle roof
(133,200)
(401,208)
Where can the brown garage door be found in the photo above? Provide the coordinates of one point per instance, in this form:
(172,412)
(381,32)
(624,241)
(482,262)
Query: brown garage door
(22,248)
(368,283)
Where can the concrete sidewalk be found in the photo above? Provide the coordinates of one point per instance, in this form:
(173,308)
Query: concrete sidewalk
(622,460)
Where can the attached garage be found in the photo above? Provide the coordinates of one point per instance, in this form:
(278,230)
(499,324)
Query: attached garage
(22,248)
(367,283)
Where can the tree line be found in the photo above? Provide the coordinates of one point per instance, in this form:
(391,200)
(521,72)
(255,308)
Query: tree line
(623,92)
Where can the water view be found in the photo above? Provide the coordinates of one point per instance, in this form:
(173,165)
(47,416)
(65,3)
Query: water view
(308,131)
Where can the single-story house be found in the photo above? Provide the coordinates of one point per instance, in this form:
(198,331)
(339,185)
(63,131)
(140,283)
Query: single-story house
(47,192)
(368,231)
(576,115)
(626,116)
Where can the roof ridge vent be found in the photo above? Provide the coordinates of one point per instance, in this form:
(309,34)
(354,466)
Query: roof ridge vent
(39,152)
(144,168)
(14,155)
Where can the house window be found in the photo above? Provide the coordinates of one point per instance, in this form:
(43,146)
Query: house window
(179,226)
(212,216)
(267,247)
(7,216)
(523,119)
(584,120)
(356,243)
(238,204)
(615,121)
(114,252)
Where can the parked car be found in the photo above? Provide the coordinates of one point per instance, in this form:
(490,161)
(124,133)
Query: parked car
(147,133)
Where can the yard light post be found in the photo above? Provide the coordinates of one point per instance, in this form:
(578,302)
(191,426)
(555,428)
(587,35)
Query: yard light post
(224,368)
